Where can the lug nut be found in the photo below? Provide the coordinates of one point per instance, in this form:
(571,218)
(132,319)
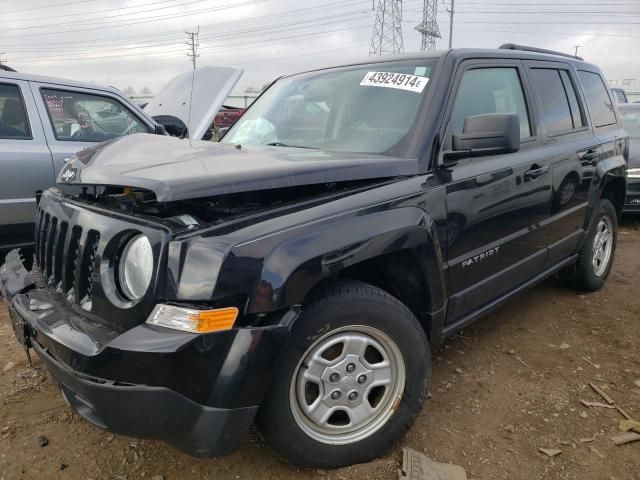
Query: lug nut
(334,377)
(353,396)
(351,367)
(335,395)
(362,379)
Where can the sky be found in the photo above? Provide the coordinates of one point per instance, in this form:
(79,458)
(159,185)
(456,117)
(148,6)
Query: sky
(142,43)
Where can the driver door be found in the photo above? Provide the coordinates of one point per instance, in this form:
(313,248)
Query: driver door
(76,118)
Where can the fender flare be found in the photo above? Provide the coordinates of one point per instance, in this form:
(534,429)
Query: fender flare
(299,260)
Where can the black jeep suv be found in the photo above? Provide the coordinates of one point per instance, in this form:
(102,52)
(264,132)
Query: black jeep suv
(299,273)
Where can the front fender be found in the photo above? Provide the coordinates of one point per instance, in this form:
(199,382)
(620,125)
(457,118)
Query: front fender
(296,260)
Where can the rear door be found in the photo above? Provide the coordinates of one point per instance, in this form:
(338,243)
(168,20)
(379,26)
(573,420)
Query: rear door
(25,163)
(75,118)
(571,150)
(495,204)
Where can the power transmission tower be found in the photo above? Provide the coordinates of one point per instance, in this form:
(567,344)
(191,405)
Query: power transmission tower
(387,29)
(193,44)
(429,25)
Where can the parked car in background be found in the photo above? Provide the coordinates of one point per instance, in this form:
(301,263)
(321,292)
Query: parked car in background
(44,121)
(631,122)
(299,272)
(227,116)
(619,95)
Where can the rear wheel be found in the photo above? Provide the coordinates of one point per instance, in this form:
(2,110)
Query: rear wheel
(595,258)
(351,380)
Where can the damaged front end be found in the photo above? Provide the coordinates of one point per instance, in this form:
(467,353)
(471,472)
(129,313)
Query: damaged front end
(198,213)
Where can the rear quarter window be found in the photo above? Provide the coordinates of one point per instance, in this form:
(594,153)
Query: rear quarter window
(598,100)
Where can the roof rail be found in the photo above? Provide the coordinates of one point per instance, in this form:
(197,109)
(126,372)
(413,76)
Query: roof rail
(513,46)
(6,68)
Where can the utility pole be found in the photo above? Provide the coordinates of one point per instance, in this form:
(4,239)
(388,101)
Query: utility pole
(429,25)
(576,52)
(387,29)
(451,11)
(193,45)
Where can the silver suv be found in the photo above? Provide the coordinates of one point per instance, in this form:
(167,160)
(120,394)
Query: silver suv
(44,120)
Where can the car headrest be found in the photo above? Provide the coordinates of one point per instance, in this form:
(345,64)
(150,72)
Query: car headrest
(12,112)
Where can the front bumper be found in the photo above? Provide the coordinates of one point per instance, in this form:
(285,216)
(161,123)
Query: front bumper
(197,392)
(632,202)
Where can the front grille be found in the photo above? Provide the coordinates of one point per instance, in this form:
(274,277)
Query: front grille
(66,257)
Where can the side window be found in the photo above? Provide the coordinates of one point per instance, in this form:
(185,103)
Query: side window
(620,96)
(559,103)
(600,105)
(13,116)
(490,90)
(81,117)
(569,88)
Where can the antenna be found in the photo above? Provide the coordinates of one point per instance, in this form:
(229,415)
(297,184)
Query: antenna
(429,25)
(576,52)
(193,43)
(387,29)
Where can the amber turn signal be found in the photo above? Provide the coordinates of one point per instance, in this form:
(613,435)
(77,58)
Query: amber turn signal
(193,320)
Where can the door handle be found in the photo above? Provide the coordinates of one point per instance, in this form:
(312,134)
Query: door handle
(535,171)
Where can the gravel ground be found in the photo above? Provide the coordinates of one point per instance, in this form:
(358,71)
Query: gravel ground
(502,389)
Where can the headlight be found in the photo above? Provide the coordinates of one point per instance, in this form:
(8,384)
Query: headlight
(633,172)
(136,267)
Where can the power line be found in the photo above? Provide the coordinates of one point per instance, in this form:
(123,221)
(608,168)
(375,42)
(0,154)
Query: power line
(48,6)
(148,20)
(165,33)
(316,21)
(243,44)
(101,19)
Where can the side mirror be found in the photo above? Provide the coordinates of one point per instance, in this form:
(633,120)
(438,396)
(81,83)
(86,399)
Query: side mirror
(489,134)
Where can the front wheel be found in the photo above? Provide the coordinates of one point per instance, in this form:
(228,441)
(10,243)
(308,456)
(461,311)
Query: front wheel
(595,258)
(351,380)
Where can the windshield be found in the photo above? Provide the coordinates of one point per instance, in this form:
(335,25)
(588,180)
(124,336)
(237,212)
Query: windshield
(366,109)
(631,122)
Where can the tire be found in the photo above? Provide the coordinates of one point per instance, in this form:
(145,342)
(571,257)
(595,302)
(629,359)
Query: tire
(332,325)
(587,274)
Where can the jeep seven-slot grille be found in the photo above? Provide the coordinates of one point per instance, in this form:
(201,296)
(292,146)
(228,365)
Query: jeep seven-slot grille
(66,257)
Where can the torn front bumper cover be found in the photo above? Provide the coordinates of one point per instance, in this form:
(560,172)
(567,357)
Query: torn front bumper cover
(116,381)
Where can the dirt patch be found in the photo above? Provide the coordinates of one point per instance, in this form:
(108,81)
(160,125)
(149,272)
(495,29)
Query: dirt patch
(502,389)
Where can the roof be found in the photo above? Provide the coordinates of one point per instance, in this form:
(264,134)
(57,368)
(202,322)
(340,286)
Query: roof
(57,81)
(464,52)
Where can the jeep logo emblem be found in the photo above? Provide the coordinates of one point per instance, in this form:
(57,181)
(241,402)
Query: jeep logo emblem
(69,175)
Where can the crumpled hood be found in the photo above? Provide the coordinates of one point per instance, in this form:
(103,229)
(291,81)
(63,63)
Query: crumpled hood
(177,169)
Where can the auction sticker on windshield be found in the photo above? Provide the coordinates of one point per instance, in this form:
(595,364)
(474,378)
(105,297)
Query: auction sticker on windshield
(403,81)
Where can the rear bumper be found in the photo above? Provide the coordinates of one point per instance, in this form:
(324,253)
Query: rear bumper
(198,392)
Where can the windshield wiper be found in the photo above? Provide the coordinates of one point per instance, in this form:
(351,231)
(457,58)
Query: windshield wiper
(280,144)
